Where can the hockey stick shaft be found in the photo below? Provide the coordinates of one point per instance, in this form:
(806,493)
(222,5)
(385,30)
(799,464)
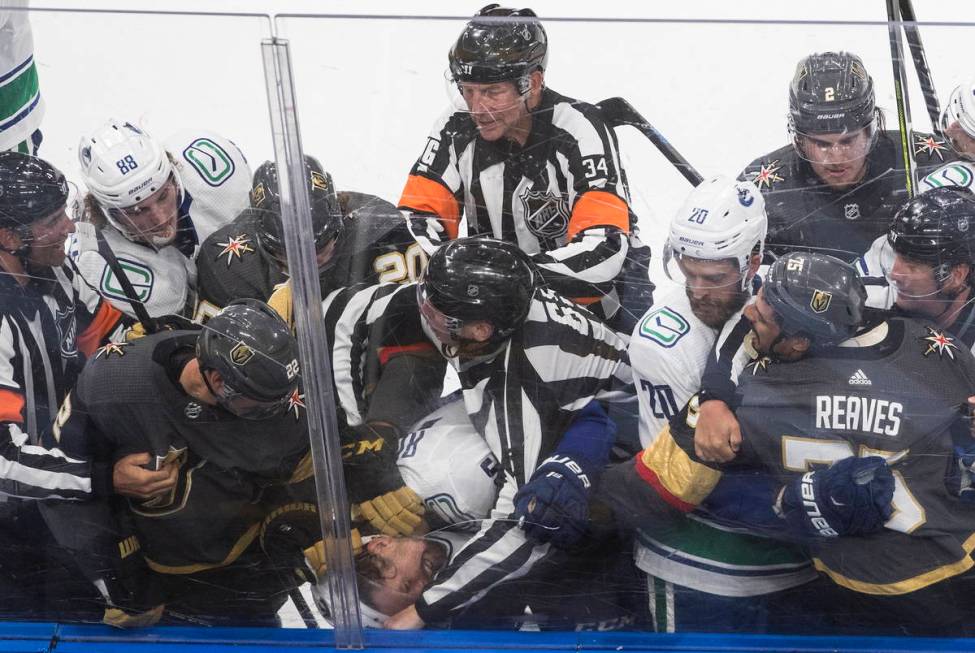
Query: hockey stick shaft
(900,94)
(618,112)
(148,323)
(301,605)
(913,35)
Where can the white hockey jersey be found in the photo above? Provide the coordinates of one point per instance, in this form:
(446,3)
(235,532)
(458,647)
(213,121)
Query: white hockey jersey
(216,180)
(21,104)
(668,351)
(446,461)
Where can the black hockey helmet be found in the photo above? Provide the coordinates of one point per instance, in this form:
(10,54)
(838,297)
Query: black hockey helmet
(480,279)
(30,189)
(936,227)
(815,295)
(326,213)
(252,349)
(831,93)
(499,44)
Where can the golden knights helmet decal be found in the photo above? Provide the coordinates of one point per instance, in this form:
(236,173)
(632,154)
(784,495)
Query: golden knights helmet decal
(820,300)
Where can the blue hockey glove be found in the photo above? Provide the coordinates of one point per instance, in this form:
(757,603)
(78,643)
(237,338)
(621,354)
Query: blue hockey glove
(961,473)
(553,506)
(852,497)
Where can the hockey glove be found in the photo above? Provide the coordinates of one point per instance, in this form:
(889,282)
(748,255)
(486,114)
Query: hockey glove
(375,485)
(164,323)
(553,506)
(133,595)
(399,512)
(961,472)
(291,536)
(852,497)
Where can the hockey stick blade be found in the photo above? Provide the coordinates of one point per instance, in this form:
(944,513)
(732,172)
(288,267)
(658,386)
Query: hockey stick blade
(617,112)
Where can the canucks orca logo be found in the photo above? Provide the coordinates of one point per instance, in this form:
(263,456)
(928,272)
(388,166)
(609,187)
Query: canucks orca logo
(67,326)
(546,214)
(745,197)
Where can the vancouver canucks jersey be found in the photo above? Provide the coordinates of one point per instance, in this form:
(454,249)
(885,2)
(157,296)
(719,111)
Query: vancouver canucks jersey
(899,399)
(215,180)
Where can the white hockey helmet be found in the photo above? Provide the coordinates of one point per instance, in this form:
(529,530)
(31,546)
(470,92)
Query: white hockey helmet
(720,219)
(122,165)
(961,109)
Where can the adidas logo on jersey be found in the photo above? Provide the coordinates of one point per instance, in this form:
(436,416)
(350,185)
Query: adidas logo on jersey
(859,378)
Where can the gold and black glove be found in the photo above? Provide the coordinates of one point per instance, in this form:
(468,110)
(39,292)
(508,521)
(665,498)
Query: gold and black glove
(375,485)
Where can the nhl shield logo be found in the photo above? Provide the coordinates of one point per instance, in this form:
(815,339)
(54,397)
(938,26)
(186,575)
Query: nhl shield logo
(546,215)
(851,211)
(820,301)
(193,410)
(241,354)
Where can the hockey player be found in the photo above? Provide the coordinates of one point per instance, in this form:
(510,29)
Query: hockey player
(447,462)
(154,203)
(835,186)
(528,362)
(50,321)
(360,239)
(835,391)
(524,164)
(713,253)
(933,274)
(208,401)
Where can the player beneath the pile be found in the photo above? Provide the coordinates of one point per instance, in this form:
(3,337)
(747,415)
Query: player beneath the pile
(522,163)
(835,186)
(155,203)
(359,238)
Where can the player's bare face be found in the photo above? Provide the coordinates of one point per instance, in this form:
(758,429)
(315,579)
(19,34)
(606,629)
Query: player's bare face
(153,220)
(839,160)
(408,566)
(713,289)
(498,110)
(960,140)
(48,236)
(917,289)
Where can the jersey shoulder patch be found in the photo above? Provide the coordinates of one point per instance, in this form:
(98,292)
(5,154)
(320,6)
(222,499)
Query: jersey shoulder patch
(211,161)
(664,326)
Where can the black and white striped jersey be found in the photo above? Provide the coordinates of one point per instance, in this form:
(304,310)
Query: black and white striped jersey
(368,327)
(522,400)
(562,197)
(47,328)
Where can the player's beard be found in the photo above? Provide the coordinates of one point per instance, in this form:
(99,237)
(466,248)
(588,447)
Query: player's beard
(714,313)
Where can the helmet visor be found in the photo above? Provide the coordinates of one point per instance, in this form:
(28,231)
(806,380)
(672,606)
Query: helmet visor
(701,274)
(485,101)
(249,408)
(153,220)
(835,149)
(447,329)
